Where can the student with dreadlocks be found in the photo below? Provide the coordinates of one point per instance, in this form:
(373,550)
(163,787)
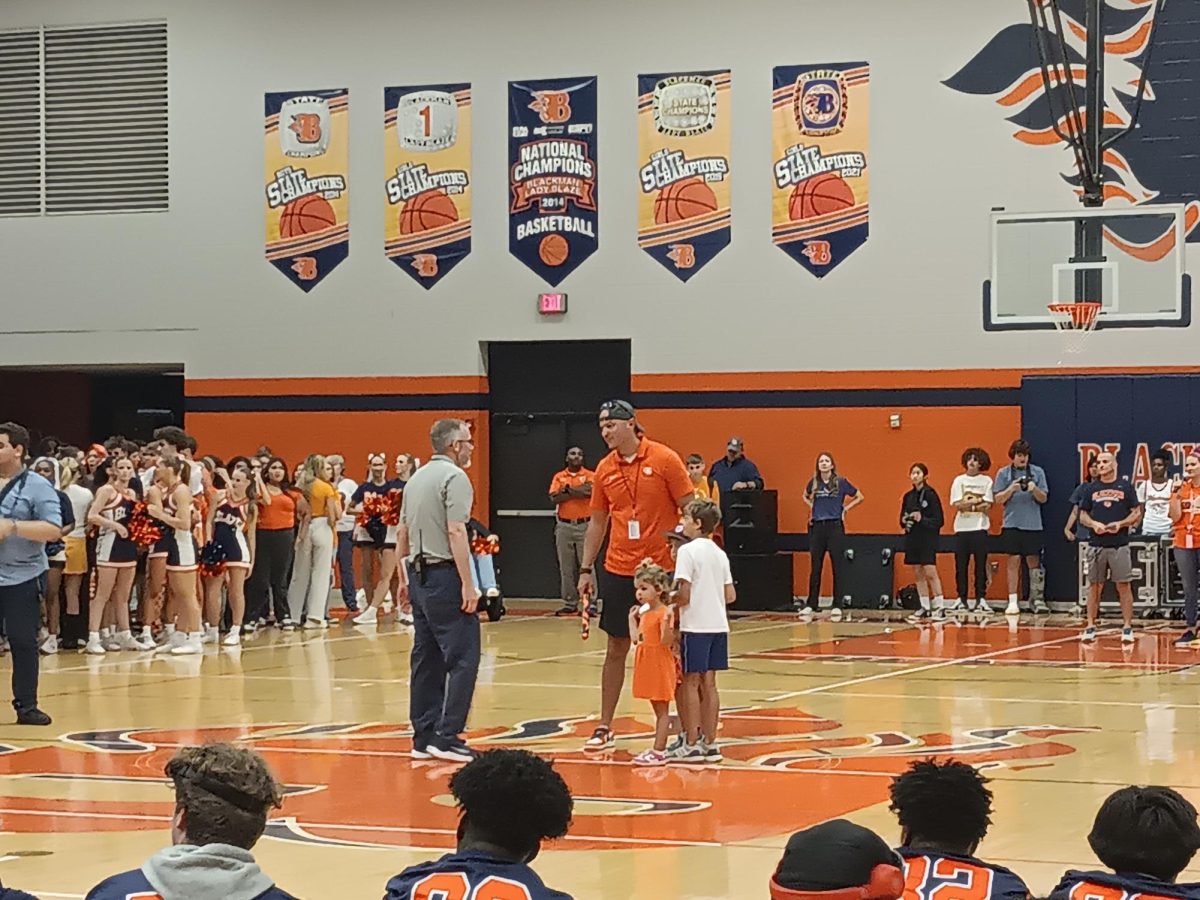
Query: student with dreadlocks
(1147,836)
(223,795)
(944,811)
(509,802)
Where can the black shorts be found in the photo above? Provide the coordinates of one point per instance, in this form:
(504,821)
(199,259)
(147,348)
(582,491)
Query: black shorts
(1018,542)
(619,596)
(920,548)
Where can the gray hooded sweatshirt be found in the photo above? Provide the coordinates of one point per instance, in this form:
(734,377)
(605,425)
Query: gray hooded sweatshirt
(211,872)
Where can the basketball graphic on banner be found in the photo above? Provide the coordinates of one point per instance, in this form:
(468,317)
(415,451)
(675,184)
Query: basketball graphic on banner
(431,209)
(554,250)
(685,199)
(819,196)
(305,216)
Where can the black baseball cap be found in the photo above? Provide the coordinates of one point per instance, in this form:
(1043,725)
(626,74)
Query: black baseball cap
(617,409)
(676,534)
(838,859)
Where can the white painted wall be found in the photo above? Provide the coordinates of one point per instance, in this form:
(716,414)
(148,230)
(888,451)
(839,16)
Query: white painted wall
(86,289)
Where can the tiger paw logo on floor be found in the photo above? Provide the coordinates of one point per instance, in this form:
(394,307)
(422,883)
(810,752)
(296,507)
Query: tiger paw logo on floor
(353,784)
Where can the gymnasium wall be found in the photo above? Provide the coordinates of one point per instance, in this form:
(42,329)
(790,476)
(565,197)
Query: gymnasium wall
(191,286)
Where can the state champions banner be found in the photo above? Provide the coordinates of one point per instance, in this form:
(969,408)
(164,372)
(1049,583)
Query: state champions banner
(307,156)
(553,213)
(684,140)
(427,172)
(819,199)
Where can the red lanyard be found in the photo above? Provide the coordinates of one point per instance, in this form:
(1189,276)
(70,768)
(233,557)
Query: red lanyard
(632,491)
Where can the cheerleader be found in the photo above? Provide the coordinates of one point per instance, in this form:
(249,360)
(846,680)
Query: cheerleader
(176,512)
(116,557)
(375,539)
(77,557)
(156,607)
(230,526)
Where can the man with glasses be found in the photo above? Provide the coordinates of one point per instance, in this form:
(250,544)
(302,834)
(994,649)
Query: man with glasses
(432,541)
(639,487)
(30,517)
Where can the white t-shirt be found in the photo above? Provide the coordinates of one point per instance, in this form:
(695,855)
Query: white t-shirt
(81,501)
(705,567)
(971,487)
(346,487)
(1157,502)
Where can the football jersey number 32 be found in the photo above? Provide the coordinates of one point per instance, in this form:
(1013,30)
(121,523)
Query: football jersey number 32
(455,886)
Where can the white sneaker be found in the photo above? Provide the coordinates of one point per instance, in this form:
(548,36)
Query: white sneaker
(368,616)
(191,645)
(95,648)
(128,642)
(111,644)
(806,615)
(234,638)
(310,622)
(43,633)
(50,645)
(406,618)
(835,614)
(361,597)
(1013,608)
(212,634)
(387,605)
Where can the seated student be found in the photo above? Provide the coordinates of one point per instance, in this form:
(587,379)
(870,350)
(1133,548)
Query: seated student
(944,810)
(223,795)
(509,802)
(14,894)
(837,859)
(1147,836)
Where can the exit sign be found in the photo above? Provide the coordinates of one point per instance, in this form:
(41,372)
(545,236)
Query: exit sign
(552,304)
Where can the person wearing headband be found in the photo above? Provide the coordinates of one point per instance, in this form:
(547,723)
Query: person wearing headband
(837,860)
(223,796)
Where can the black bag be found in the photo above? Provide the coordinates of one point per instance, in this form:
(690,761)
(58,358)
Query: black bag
(909,598)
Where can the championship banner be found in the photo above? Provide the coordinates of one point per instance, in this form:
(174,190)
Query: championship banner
(307,161)
(553,213)
(427,172)
(819,212)
(684,133)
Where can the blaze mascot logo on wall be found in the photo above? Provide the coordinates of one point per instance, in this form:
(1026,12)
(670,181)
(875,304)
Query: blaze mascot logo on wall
(354,785)
(1137,169)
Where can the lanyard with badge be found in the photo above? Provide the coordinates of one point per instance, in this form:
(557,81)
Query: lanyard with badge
(634,526)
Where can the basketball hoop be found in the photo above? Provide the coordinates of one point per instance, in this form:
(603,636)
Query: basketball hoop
(1075,321)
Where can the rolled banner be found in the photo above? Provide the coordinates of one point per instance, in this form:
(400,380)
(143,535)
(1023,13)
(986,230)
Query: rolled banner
(819,209)
(306,155)
(427,172)
(684,140)
(554,213)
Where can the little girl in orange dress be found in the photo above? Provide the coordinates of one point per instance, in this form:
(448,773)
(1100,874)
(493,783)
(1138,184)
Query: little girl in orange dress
(654,672)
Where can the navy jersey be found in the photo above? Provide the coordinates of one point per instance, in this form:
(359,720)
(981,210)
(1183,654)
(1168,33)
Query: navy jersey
(461,875)
(370,489)
(928,873)
(14,894)
(133,884)
(1110,502)
(1109,886)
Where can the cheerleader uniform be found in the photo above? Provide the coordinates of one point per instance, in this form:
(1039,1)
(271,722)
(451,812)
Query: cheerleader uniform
(112,550)
(229,533)
(363,537)
(180,544)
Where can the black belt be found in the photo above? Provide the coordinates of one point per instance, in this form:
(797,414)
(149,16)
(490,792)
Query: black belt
(428,562)
(575,521)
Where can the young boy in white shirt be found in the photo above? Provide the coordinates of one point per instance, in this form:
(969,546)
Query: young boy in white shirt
(705,589)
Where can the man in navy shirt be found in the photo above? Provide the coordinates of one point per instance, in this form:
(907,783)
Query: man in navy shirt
(1110,509)
(30,517)
(733,472)
(509,802)
(1147,836)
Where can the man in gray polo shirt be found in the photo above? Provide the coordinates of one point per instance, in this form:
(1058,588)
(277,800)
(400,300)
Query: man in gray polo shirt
(432,540)
(30,516)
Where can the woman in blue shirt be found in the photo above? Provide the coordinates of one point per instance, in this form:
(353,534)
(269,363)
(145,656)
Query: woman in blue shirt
(826,493)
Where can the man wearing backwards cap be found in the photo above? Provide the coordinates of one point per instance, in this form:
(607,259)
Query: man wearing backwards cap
(639,488)
(733,472)
(838,860)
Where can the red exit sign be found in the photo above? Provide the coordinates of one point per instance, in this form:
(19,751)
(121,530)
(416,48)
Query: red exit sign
(552,304)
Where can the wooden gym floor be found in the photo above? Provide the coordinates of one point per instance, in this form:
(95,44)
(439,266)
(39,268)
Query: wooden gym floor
(818,717)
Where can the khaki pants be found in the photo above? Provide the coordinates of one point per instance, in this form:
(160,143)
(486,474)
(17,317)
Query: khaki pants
(568,541)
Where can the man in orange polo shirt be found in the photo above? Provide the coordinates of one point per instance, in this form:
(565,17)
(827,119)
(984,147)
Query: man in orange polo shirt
(639,488)
(571,491)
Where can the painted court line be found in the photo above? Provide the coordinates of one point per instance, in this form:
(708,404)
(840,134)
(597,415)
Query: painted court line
(850,682)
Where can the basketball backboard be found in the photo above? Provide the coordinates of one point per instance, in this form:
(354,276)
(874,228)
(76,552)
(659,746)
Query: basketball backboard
(1138,273)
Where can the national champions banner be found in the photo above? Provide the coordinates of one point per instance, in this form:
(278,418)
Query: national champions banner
(427,172)
(684,133)
(553,213)
(819,209)
(307,156)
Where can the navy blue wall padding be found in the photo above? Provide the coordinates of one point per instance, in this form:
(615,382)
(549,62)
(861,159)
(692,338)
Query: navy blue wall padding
(1060,413)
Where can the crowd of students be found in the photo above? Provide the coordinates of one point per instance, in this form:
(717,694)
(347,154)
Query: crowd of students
(511,803)
(196,546)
